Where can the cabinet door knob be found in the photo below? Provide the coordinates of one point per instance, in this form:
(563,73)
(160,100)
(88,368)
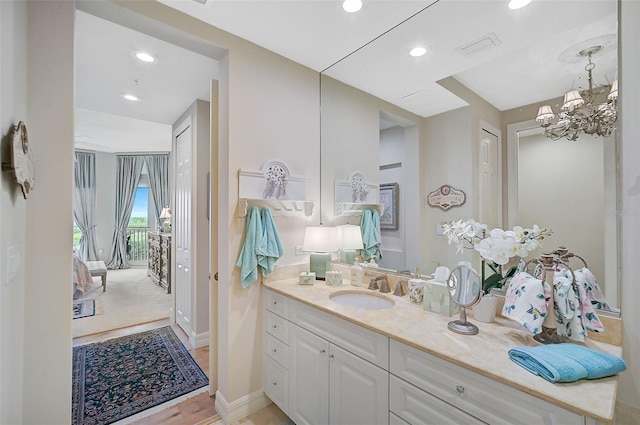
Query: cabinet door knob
(275,302)
(331,356)
(460,389)
(323,351)
(275,384)
(275,326)
(275,351)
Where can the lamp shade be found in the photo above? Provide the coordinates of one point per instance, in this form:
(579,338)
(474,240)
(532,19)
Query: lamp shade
(166,213)
(349,237)
(320,239)
(545,114)
(572,100)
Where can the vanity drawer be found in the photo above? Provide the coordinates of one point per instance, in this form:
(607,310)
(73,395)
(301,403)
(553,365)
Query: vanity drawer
(276,384)
(277,303)
(276,349)
(418,407)
(276,326)
(363,342)
(481,397)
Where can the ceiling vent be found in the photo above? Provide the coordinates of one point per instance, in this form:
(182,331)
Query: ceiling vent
(483,43)
(201,1)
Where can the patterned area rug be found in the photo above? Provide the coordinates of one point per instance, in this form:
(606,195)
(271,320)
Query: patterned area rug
(84,309)
(120,377)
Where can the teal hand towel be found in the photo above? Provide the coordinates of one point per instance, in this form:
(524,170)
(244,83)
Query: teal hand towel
(370,228)
(248,260)
(567,362)
(270,247)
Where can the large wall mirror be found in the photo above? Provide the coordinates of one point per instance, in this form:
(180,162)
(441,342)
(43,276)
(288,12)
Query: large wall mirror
(422,122)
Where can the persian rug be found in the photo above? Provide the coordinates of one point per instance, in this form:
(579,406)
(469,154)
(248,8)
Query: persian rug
(123,376)
(84,309)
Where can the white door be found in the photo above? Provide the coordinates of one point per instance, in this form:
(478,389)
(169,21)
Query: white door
(182,230)
(358,390)
(490,193)
(308,377)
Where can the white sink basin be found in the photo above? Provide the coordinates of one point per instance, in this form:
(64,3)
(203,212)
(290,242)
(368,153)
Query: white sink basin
(362,300)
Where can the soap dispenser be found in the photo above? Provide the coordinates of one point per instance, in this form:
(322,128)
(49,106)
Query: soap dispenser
(356,274)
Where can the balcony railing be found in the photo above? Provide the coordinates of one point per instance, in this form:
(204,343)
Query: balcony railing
(137,245)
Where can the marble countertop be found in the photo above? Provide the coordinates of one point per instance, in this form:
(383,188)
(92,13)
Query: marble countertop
(484,353)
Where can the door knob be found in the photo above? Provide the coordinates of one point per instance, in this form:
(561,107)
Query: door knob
(215,276)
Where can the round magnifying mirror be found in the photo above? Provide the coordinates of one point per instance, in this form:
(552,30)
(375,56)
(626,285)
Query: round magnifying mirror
(464,286)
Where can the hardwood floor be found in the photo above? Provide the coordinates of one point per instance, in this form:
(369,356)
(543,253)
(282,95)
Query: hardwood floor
(198,410)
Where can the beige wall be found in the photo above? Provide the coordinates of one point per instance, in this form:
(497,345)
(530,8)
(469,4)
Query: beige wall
(629,16)
(47,320)
(13,108)
(561,187)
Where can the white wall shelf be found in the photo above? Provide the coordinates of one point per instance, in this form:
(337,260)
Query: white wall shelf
(348,209)
(278,207)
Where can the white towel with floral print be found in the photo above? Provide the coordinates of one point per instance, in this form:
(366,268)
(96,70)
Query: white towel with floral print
(526,301)
(585,278)
(574,312)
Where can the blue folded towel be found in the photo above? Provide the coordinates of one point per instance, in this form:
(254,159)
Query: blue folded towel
(270,247)
(371,239)
(567,362)
(248,260)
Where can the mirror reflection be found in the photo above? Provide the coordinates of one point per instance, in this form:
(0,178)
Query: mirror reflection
(454,128)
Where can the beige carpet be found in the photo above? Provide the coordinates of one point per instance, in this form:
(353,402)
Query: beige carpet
(131,298)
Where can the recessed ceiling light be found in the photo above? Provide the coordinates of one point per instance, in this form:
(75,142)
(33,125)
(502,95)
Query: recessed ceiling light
(517,4)
(351,6)
(145,56)
(418,51)
(130,97)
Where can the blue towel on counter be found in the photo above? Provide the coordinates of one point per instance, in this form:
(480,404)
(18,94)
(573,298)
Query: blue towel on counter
(270,247)
(248,260)
(371,239)
(567,362)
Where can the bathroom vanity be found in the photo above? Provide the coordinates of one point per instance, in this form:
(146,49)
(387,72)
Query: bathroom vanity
(326,363)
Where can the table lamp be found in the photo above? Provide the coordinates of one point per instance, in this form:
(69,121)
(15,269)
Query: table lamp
(166,215)
(349,242)
(320,241)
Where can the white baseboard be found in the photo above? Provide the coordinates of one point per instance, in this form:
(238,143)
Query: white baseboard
(231,413)
(199,340)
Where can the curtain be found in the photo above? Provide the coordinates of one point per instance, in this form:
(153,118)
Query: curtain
(128,176)
(158,169)
(84,203)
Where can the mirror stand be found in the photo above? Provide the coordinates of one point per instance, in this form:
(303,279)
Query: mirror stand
(461,325)
(464,287)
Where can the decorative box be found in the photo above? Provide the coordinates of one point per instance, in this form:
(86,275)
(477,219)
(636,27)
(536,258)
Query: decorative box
(333,277)
(416,290)
(436,298)
(307,278)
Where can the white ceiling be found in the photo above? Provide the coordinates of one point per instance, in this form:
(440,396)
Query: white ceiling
(534,60)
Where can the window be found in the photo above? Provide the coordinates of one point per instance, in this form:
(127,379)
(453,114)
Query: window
(77,234)
(140,213)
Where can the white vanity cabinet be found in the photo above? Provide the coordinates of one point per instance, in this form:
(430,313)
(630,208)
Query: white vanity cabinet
(276,349)
(338,371)
(425,389)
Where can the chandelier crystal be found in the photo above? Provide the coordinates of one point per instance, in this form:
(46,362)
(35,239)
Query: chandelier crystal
(579,112)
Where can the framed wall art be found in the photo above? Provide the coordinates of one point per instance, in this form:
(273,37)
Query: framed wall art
(389,201)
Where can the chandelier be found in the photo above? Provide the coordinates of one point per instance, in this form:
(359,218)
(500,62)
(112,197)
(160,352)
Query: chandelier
(579,111)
